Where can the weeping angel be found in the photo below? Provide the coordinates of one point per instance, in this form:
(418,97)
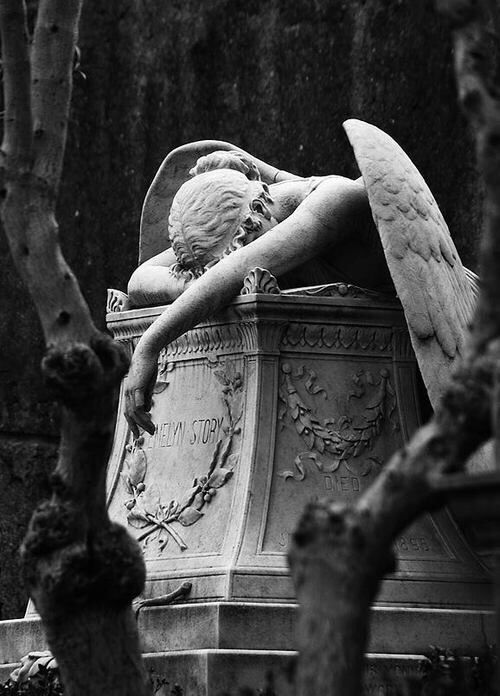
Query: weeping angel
(383,232)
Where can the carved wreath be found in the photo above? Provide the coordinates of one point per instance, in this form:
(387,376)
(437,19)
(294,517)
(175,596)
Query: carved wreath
(145,509)
(346,437)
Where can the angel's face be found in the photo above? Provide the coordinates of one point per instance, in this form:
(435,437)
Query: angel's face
(262,208)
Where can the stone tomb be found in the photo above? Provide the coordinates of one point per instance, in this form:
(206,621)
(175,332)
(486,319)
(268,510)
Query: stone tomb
(281,399)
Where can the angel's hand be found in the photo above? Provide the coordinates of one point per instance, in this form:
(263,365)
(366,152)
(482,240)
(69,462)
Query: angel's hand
(139,387)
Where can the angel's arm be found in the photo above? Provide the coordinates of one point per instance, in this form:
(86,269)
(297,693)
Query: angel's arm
(323,219)
(154,282)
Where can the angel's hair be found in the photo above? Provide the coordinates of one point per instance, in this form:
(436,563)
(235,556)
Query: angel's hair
(212,215)
(227,159)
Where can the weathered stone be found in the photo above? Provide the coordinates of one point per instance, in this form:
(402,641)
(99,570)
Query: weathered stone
(208,647)
(279,400)
(278,78)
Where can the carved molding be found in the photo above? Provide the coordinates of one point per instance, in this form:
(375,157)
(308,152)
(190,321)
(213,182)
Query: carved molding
(269,323)
(402,344)
(258,335)
(341,290)
(207,339)
(341,337)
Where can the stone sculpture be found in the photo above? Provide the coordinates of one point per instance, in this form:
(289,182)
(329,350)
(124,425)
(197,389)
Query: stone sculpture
(273,397)
(237,213)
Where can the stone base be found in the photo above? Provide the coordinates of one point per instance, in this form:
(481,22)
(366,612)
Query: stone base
(260,410)
(218,647)
(231,672)
(238,672)
(271,627)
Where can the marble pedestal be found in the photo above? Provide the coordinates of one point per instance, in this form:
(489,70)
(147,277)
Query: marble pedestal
(279,400)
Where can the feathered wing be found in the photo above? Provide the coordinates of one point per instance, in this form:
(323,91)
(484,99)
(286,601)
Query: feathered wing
(173,172)
(437,293)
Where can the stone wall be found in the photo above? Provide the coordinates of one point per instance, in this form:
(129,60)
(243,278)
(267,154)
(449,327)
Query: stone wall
(273,76)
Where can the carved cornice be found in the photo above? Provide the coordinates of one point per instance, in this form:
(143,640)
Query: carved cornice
(270,323)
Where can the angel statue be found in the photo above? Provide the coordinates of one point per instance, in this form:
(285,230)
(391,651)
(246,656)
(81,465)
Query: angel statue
(383,232)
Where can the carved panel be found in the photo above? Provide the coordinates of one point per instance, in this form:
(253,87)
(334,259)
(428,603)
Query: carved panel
(338,423)
(175,486)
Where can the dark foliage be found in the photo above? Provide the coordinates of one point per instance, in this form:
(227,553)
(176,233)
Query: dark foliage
(44,683)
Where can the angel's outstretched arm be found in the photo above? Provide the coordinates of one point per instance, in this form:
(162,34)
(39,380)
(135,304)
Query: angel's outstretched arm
(324,218)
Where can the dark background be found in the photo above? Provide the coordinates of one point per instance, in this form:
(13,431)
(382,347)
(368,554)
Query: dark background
(276,77)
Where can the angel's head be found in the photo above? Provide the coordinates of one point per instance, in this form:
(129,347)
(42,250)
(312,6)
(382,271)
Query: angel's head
(227,159)
(215,213)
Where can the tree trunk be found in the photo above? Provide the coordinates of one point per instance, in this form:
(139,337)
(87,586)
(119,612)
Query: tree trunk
(82,570)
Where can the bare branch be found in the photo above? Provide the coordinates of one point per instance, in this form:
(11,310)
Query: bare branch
(27,209)
(53,51)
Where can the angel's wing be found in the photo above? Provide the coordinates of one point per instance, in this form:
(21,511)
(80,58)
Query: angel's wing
(173,172)
(436,291)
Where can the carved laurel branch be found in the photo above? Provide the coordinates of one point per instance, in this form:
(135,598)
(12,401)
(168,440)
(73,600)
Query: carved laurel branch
(145,509)
(351,436)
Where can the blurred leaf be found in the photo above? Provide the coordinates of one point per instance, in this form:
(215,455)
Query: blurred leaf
(189,516)
(136,465)
(150,499)
(137,519)
(188,497)
(126,481)
(198,501)
(219,477)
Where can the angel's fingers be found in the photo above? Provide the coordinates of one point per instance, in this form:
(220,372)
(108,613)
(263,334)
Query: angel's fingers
(133,426)
(144,420)
(148,395)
